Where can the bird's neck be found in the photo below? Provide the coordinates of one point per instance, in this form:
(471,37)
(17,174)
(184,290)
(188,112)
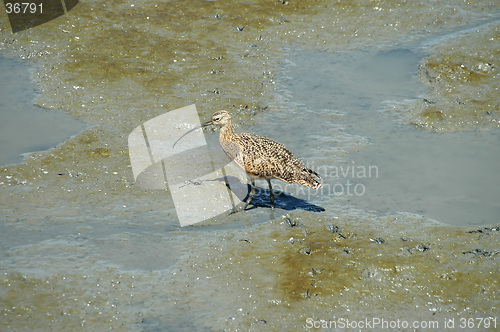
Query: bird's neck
(226,132)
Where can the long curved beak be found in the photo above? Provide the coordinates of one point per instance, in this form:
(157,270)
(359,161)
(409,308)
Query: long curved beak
(208,123)
(204,124)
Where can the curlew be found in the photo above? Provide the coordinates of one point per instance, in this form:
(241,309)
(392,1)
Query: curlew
(260,157)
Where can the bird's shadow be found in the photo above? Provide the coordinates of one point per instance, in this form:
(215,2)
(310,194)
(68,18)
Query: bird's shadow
(261,199)
(282,200)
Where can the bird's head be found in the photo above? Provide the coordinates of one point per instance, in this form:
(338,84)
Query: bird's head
(220,118)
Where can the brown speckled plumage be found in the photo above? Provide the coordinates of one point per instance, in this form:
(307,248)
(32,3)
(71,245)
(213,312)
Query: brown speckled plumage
(261,157)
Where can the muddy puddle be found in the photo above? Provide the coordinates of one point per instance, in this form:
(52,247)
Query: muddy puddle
(26,127)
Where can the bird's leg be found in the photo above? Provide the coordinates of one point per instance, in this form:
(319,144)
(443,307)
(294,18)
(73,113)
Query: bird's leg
(252,193)
(271,194)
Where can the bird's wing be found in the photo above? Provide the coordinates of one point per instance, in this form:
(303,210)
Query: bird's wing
(264,157)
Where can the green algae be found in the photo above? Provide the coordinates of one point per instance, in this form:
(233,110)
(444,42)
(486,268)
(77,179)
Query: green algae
(464,80)
(309,271)
(58,302)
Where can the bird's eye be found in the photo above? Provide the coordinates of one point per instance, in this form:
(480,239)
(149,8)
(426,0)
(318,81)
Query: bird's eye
(217,119)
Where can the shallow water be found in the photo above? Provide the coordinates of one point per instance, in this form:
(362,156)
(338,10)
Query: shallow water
(451,178)
(26,127)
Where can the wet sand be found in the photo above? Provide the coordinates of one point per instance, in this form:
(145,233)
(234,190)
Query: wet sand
(83,247)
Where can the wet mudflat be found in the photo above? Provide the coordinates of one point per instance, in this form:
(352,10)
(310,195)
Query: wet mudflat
(449,177)
(83,247)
